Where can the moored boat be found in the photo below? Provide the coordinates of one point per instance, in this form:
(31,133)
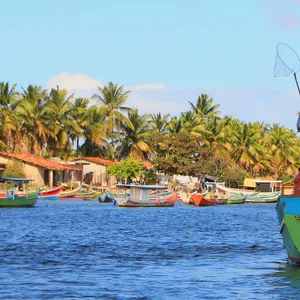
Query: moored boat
(85,194)
(236,199)
(288,212)
(185,197)
(201,199)
(51,194)
(69,194)
(139,196)
(105,197)
(10,197)
(262,198)
(223,199)
(241,191)
(160,195)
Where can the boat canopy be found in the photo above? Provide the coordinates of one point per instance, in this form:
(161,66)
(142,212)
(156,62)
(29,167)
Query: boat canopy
(267,181)
(16,180)
(143,187)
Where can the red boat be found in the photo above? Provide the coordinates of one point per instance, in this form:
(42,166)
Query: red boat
(201,200)
(51,194)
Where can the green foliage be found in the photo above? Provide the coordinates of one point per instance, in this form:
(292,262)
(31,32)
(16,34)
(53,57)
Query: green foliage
(126,170)
(14,169)
(150,176)
(178,153)
(234,176)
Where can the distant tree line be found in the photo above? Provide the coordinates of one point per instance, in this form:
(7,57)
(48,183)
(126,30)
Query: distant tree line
(55,124)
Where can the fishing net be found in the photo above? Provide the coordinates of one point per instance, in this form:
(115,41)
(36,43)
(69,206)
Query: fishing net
(287,61)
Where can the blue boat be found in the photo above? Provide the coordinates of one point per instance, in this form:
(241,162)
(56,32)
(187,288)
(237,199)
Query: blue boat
(288,212)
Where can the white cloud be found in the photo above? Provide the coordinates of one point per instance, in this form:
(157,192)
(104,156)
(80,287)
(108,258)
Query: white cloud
(153,103)
(70,81)
(149,86)
(269,104)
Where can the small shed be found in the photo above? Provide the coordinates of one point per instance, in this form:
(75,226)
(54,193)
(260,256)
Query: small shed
(44,171)
(267,185)
(96,166)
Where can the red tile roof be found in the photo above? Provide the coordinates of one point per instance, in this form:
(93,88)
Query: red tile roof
(147,164)
(39,161)
(96,160)
(106,162)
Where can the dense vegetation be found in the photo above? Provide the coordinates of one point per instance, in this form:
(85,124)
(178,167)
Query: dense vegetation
(54,124)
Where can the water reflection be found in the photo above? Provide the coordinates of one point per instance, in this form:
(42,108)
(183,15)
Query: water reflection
(286,280)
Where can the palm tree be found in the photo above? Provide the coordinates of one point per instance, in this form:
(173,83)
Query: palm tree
(32,109)
(9,122)
(194,125)
(159,122)
(282,149)
(204,107)
(175,126)
(60,113)
(134,144)
(245,146)
(94,135)
(113,97)
(80,115)
(215,136)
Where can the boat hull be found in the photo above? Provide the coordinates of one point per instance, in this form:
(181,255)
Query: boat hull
(288,212)
(19,201)
(242,191)
(50,194)
(139,196)
(238,199)
(69,194)
(137,203)
(262,199)
(222,201)
(105,198)
(202,200)
(88,195)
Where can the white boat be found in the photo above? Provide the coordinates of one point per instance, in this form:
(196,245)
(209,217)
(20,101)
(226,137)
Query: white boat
(139,196)
(242,191)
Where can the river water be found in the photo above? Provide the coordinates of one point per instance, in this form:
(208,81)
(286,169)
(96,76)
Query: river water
(75,249)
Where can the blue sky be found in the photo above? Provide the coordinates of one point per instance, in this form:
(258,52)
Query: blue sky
(167,52)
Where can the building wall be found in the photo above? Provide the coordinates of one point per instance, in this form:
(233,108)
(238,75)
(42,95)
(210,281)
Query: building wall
(99,172)
(36,173)
(32,172)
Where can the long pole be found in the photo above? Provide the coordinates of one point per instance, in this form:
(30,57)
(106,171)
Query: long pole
(295,76)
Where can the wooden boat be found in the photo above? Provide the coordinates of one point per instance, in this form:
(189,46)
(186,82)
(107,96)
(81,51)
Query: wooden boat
(85,195)
(69,194)
(186,197)
(51,194)
(12,198)
(200,199)
(105,197)
(236,199)
(222,199)
(262,198)
(161,195)
(241,191)
(288,212)
(139,196)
